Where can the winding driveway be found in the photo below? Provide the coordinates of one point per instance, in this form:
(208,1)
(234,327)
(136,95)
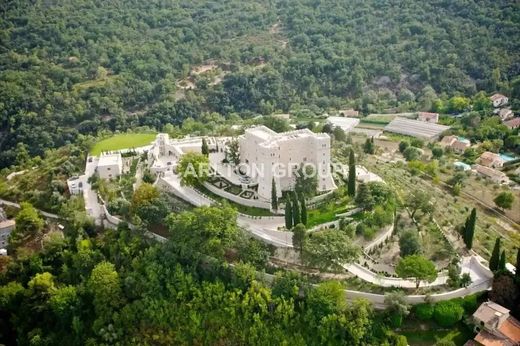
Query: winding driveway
(265,228)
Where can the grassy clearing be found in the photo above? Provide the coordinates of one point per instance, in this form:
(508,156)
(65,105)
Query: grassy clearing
(122,141)
(424,334)
(450,210)
(327,212)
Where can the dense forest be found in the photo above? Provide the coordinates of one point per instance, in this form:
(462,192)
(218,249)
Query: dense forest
(70,68)
(120,288)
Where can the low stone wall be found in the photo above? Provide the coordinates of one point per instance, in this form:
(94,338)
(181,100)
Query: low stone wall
(387,234)
(243,201)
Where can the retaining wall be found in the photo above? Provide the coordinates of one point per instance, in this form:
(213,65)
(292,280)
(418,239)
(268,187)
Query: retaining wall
(237,199)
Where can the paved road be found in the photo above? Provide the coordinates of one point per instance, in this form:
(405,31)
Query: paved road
(16,205)
(264,228)
(92,205)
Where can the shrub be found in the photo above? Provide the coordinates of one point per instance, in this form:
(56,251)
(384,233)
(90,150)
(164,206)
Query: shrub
(424,311)
(396,320)
(470,304)
(447,313)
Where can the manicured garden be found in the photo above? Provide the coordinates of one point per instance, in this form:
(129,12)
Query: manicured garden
(122,141)
(252,211)
(430,323)
(458,334)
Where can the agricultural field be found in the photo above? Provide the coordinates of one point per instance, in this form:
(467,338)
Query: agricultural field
(122,141)
(450,211)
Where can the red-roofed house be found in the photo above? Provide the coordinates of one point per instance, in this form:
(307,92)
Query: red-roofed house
(505,113)
(349,113)
(499,100)
(492,174)
(513,123)
(495,326)
(457,144)
(428,117)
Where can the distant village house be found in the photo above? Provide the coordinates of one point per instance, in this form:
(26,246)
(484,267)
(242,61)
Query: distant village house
(428,117)
(349,113)
(492,174)
(6,227)
(505,113)
(499,100)
(513,123)
(457,144)
(491,160)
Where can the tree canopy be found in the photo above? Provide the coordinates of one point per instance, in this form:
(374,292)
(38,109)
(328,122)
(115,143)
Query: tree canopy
(417,267)
(78,68)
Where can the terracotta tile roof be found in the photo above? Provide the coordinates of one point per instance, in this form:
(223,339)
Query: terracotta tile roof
(448,140)
(513,123)
(490,172)
(495,97)
(488,158)
(511,329)
(488,339)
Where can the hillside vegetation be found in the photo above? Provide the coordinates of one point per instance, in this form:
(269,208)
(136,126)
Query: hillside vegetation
(82,66)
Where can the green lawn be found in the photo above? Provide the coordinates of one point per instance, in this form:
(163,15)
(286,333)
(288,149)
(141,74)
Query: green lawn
(327,212)
(122,141)
(459,335)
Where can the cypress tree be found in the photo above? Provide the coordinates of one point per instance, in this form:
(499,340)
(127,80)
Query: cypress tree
(205,148)
(502,262)
(274,197)
(288,213)
(469,229)
(351,184)
(495,256)
(303,214)
(296,209)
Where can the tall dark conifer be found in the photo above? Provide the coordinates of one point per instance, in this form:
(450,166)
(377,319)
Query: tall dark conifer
(469,229)
(351,183)
(495,256)
(288,213)
(274,197)
(303,206)
(205,148)
(502,262)
(296,209)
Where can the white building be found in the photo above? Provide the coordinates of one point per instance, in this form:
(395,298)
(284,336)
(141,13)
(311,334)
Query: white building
(346,124)
(428,117)
(75,185)
(266,154)
(6,227)
(110,166)
(165,152)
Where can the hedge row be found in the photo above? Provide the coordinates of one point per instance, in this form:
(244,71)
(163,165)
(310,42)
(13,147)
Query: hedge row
(448,312)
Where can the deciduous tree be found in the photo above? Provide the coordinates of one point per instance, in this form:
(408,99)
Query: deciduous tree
(504,200)
(329,250)
(417,267)
(193,169)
